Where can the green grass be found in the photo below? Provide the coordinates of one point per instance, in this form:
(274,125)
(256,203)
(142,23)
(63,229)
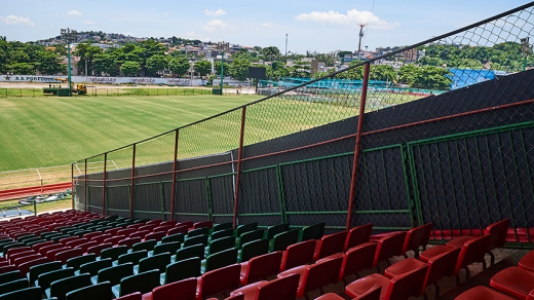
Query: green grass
(41,207)
(50,131)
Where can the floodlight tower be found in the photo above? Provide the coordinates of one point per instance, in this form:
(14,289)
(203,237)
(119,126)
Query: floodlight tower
(69,35)
(222,46)
(360,42)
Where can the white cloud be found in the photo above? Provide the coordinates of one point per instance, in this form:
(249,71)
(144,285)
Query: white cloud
(191,33)
(267,24)
(214,13)
(14,20)
(74,13)
(352,17)
(212,25)
(89,22)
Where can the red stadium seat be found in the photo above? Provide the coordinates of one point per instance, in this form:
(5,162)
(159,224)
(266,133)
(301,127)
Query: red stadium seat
(180,229)
(96,249)
(298,254)
(357,259)
(398,288)
(218,281)
(169,223)
(260,267)
(100,238)
(63,256)
(90,235)
(139,234)
(51,254)
(75,243)
(38,246)
(180,290)
(527,262)
(482,293)
(25,267)
(147,227)
(64,241)
(45,249)
(206,224)
(7,269)
(113,231)
(17,262)
(128,242)
(189,224)
(86,245)
(514,281)
(153,222)
(13,251)
(330,244)
(21,254)
(389,246)
(358,235)
(114,240)
(155,236)
(316,276)
(415,237)
(280,289)
(163,228)
(127,231)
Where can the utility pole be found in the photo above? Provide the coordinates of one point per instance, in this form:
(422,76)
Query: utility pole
(222,46)
(69,36)
(286,43)
(360,42)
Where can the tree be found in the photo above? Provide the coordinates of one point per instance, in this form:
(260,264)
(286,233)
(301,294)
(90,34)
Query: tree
(270,52)
(48,63)
(238,69)
(203,67)
(4,54)
(131,68)
(179,65)
(156,64)
(217,68)
(86,52)
(22,68)
(426,77)
(382,73)
(104,64)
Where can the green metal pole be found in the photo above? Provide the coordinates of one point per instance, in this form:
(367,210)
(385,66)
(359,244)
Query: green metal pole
(68,71)
(222,71)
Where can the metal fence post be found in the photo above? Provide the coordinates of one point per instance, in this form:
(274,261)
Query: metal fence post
(132,183)
(72,184)
(238,172)
(174,165)
(357,145)
(85,186)
(104,175)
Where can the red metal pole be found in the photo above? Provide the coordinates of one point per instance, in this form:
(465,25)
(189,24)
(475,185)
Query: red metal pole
(239,156)
(357,145)
(85,186)
(104,184)
(132,178)
(72,183)
(174,165)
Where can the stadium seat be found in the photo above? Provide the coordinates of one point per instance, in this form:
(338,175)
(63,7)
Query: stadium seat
(169,223)
(312,232)
(127,231)
(155,236)
(358,235)
(132,296)
(94,267)
(218,281)
(63,256)
(219,260)
(61,287)
(139,235)
(148,228)
(253,249)
(10,276)
(198,232)
(276,229)
(298,254)
(399,287)
(189,252)
(389,246)
(331,296)
(171,247)
(158,262)
(114,240)
(76,262)
(206,224)
(37,247)
(113,231)
(357,259)
(90,235)
(514,281)
(100,291)
(415,238)
(36,270)
(527,261)
(21,260)
(199,239)
(129,242)
(65,240)
(482,293)
(221,244)
(97,249)
(142,282)
(147,245)
(250,236)
(176,230)
(330,244)
(114,274)
(281,289)
(222,226)
(132,257)
(185,289)
(260,267)
(51,253)
(222,233)
(316,276)
(181,270)
(75,243)
(28,293)
(153,222)
(245,228)
(100,238)
(176,237)
(284,239)
(45,279)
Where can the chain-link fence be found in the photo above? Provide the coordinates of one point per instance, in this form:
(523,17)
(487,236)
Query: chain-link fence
(439,132)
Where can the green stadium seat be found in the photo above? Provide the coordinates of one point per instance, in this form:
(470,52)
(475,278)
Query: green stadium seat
(245,228)
(142,282)
(284,239)
(219,260)
(189,252)
(250,236)
(276,229)
(114,274)
(181,270)
(221,244)
(100,291)
(312,232)
(253,249)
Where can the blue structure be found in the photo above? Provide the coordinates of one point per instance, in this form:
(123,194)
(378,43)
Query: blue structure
(465,77)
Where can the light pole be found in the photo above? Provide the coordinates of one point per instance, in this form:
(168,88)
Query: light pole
(69,36)
(222,46)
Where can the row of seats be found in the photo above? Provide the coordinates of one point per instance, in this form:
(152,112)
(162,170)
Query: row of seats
(515,282)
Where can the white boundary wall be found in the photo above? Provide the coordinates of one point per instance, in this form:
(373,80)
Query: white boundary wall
(103,80)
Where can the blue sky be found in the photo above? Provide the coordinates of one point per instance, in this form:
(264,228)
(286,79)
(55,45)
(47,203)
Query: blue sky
(314,25)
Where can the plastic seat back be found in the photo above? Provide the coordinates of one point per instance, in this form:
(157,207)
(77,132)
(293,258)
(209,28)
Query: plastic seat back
(246,228)
(171,247)
(158,261)
(199,239)
(298,254)
(284,239)
(189,224)
(473,251)
(389,246)
(142,282)
(440,266)
(221,259)
(176,230)
(68,254)
(189,252)
(426,236)
(358,235)
(155,236)
(223,226)
(76,262)
(133,257)
(114,240)
(372,294)
(169,223)
(182,269)
(251,236)
(276,229)
(93,267)
(146,245)
(219,280)
(114,252)
(36,270)
(205,224)
(45,279)
(129,242)
(101,291)
(413,239)
(97,249)
(280,289)
(60,288)
(13,285)
(28,293)
(322,273)
(114,274)
(253,249)
(312,232)
(263,266)
(498,233)
(177,237)
(358,258)
(180,290)
(198,231)
(330,244)
(221,244)
(222,233)
(406,285)
(10,276)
